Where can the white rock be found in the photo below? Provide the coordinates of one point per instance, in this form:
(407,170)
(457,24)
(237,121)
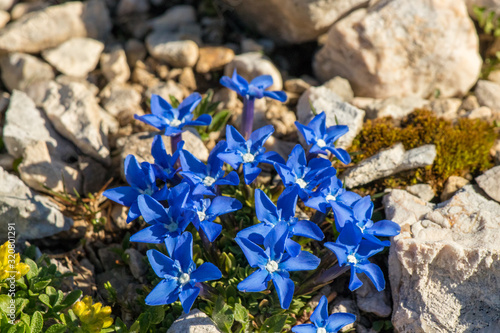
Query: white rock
(446,108)
(395,107)
(174,18)
(299,22)
(482,112)
(423,191)
(403,48)
(297,86)
(345,305)
(20,70)
(444,276)
(453,184)
(488,94)
(75,57)
(369,299)
(74,112)
(253,64)
(128,7)
(388,162)
(490,182)
(39,171)
(4,18)
(137,265)
(139,145)
(6,4)
(33,215)
(120,99)
(341,87)
(54,25)
(114,65)
(193,322)
(171,48)
(324,99)
(18,133)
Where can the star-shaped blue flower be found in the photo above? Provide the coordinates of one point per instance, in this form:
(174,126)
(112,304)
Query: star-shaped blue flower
(206,211)
(322,323)
(323,139)
(142,181)
(204,178)
(255,89)
(360,216)
(167,224)
(354,251)
(164,166)
(249,152)
(180,276)
(283,213)
(305,175)
(274,264)
(172,120)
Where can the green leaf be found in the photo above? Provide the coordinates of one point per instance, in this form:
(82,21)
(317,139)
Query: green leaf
(219,120)
(223,315)
(240,313)
(20,304)
(50,291)
(174,101)
(18,328)
(33,269)
(45,300)
(57,328)
(71,298)
(120,327)
(4,303)
(156,313)
(40,285)
(36,322)
(274,324)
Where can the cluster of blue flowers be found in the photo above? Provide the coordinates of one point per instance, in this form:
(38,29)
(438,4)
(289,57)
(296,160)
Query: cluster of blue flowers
(189,193)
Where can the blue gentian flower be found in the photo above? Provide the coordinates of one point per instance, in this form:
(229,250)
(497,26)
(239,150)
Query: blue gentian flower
(164,166)
(167,224)
(305,175)
(142,181)
(206,211)
(353,251)
(323,139)
(204,178)
(255,89)
(272,216)
(180,276)
(331,194)
(249,152)
(361,215)
(249,92)
(322,323)
(274,264)
(172,120)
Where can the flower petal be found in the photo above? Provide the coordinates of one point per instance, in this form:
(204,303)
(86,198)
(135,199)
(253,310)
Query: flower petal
(275,241)
(161,264)
(259,136)
(152,211)
(341,154)
(374,273)
(305,261)
(285,288)
(339,250)
(363,209)
(250,173)
(292,247)
(183,251)
(211,229)
(308,229)
(338,320)
(232,158)
(154,234)
(265,209)
(159,106)
(335,132)
(304,328)
(306,132)
(277,95)
(134,174)
(287,202)
(165,292)
(256,233)
(354,281)
(222,205)
(124,195)
(206,272)
(320,314)
(133,212)
(385,228)
(262,81)
(254,253)
(255,282)
(191,164)
(234,139)
(189,104)
(318,125)
(187,298)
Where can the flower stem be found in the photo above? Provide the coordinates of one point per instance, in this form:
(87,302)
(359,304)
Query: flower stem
(174,141)
(247,118)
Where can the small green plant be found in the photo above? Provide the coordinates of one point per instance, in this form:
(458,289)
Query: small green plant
(487,20)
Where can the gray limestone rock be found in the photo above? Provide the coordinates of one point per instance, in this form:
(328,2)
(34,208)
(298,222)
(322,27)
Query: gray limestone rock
(193,322)
(444,265)
(34,216)
(489,182)
(20,70)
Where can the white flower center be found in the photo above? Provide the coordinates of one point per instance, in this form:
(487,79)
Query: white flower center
(330,197)
(272,266)
(301,182)
(175,122)
(321,330)
(201,215)
(208,181)
(321,143)
(184,278)
(352,259)
(172,227)
(248,158)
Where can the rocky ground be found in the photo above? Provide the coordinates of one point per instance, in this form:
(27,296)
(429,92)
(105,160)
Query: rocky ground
(73,74)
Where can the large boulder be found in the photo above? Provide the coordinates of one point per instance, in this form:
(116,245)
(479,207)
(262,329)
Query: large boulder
(32,215)
(292,22)
(403,48)
(54,25)
(443,267)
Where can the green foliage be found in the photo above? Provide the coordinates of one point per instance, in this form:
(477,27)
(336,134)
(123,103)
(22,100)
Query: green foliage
(461,148)
(487,20)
